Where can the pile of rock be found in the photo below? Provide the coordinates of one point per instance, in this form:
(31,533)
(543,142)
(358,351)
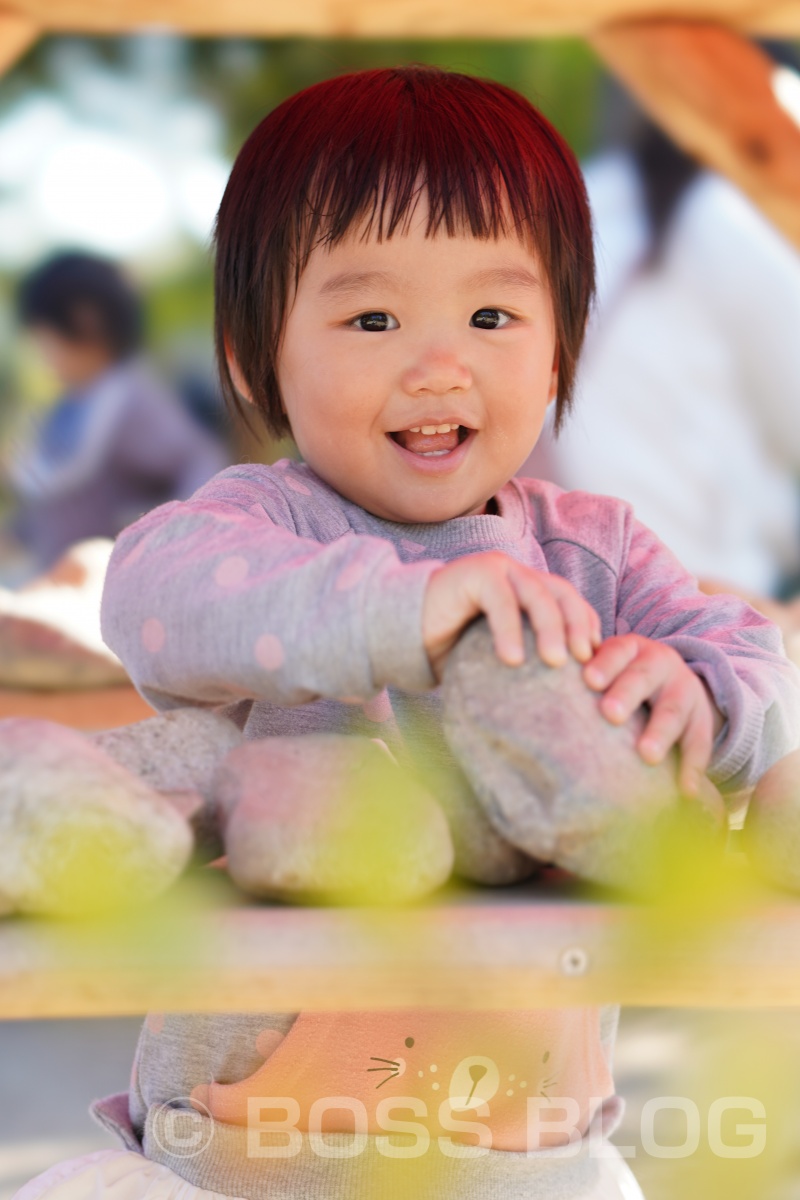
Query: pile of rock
(539,776)
(89,823)
(554,778)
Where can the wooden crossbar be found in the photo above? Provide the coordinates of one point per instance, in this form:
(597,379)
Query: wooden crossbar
(18,32)
(480,949)
(93,709)
(717,95)
(396,18)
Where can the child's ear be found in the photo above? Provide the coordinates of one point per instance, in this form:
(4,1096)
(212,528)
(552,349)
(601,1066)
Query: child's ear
(239,381)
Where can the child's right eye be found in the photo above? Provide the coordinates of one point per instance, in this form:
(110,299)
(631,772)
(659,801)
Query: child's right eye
(374,322)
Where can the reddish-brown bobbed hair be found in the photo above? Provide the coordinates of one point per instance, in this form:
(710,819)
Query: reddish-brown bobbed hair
(351,151)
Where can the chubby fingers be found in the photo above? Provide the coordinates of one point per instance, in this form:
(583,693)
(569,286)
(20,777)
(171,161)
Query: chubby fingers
(560,617)
(636,671)
(496,598)
(609,670)
(503,590)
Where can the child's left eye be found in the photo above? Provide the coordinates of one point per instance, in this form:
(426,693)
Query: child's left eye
(374,322)
(490,318)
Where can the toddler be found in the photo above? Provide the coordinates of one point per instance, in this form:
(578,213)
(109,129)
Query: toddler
(404,270)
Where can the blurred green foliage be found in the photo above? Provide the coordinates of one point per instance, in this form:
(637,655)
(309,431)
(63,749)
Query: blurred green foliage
(243,80)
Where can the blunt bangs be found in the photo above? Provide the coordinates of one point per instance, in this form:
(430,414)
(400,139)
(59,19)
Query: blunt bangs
(355,153)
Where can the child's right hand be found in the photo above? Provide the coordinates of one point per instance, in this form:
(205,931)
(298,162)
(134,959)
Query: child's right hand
(502,588)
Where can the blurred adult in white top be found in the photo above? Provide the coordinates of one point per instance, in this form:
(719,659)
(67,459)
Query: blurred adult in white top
(688,400)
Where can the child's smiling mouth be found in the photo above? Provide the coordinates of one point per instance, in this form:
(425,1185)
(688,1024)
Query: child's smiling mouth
(432,441)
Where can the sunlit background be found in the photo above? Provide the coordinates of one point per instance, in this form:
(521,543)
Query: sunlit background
(122,146)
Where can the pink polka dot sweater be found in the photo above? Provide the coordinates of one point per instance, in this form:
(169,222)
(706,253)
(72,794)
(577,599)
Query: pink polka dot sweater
(269,591)
(270,594)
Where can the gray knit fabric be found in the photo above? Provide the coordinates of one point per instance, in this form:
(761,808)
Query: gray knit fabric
(223,1165)
(269,591)
(270,594)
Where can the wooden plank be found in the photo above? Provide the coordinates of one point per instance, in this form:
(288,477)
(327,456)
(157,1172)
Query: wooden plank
(99,708)
(18,32)
(713,92)
(395,18)
(508,948)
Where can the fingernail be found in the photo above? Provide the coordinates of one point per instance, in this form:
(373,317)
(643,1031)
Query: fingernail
(594,677)
(555,656)
(613,708)
(652,749)
(582,650)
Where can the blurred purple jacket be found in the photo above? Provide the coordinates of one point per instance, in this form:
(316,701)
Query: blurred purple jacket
(104,457)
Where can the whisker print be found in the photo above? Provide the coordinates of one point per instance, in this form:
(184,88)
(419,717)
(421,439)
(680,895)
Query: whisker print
(394,1075)
(382,1069)
(393,1061)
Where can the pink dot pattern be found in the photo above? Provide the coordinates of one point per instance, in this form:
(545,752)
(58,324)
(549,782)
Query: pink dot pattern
(153,635)
(351,576)
(379,708)
(297,486)
(269,652)
(412,547)
(231,571)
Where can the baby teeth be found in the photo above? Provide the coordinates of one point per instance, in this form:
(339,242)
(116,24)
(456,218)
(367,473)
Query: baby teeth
(429,429)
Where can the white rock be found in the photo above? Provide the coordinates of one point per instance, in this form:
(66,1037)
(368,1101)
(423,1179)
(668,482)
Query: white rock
(178,753)
(79,833)
(329,818)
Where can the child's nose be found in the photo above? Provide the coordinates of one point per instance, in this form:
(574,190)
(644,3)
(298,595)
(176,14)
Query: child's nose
(437,373)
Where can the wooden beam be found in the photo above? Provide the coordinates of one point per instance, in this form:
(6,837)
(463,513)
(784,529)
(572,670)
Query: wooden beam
(96,708)
(477,949)
(18,32)
(395,18)
(714,93)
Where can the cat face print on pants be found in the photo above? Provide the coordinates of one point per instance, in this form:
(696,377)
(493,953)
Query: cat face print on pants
(489,1065)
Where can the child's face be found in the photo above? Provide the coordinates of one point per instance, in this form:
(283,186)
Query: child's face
(422,332)
(74,363)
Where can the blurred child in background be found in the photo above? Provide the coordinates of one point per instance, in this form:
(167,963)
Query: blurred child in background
(118,441)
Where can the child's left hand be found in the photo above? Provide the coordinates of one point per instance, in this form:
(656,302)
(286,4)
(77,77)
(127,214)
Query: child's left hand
(634,670)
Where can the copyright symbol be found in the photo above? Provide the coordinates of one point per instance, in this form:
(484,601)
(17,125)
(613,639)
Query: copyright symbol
(180,1130)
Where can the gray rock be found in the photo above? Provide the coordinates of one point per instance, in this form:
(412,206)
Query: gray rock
(771,833)
(553,776)
(329,818)
(78,833)
(178,753)
(50,628)
(482,855)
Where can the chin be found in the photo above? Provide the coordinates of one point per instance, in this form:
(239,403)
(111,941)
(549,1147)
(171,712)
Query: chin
(435,514)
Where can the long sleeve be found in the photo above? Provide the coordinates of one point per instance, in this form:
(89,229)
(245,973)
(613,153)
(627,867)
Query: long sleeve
(216,599)
(733,648)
